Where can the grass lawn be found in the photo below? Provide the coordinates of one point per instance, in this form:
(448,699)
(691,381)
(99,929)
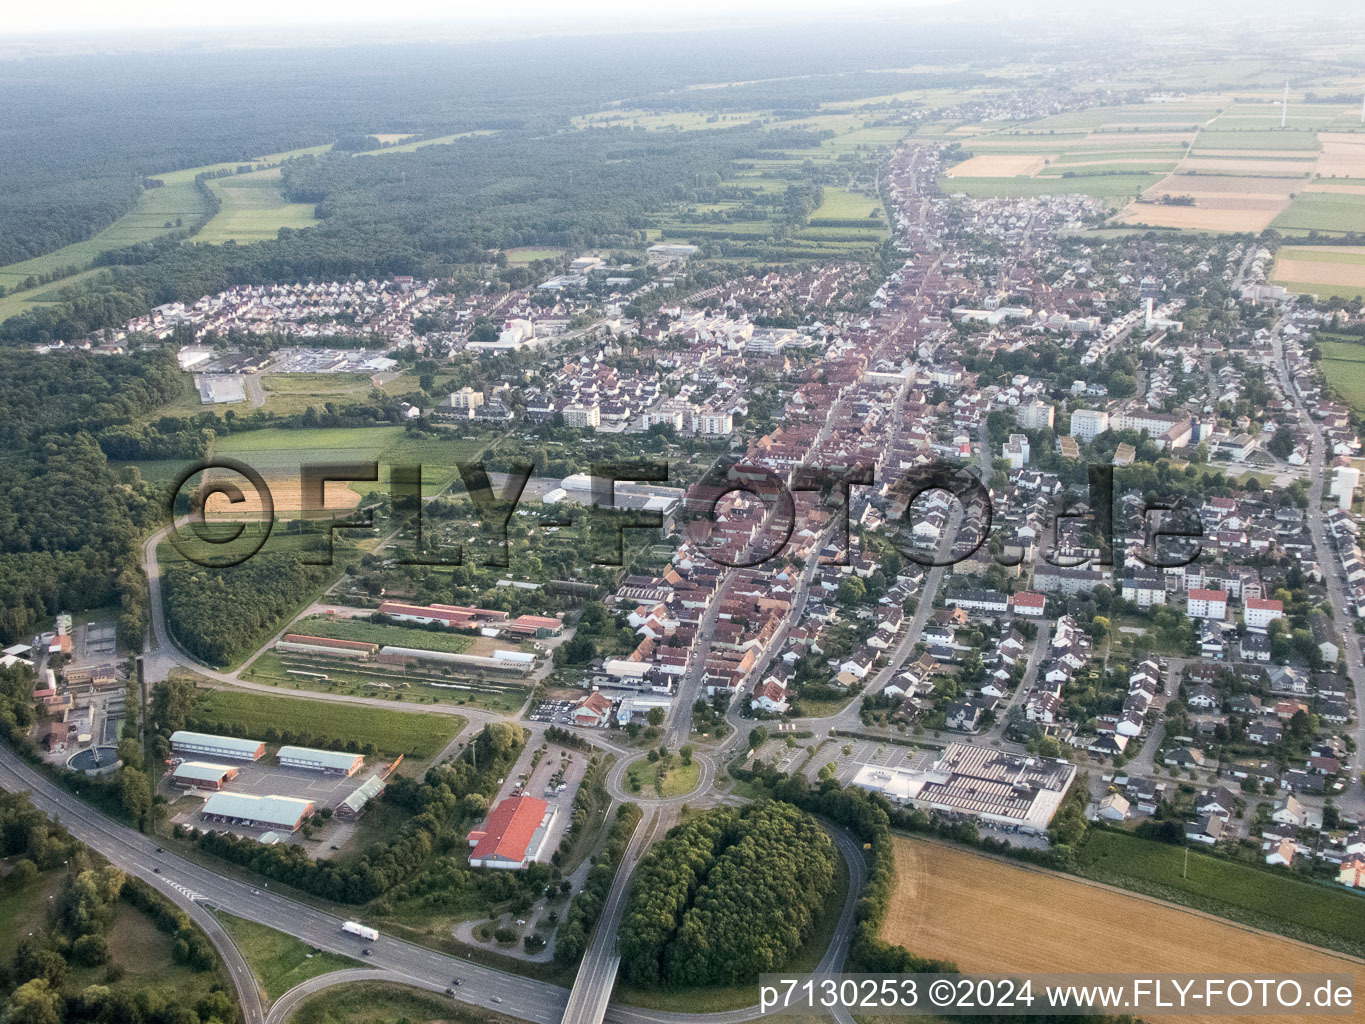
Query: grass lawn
(253,209)
(841,204)
(1318,913)
(25,910)
(529,254)
(735,997)
(674,780)
(377,1002)
(280,961)
(392,732)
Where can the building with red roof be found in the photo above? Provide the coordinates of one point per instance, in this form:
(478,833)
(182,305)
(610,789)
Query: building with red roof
(1206,604)
(512,836)
(1261,612)
(1025,602)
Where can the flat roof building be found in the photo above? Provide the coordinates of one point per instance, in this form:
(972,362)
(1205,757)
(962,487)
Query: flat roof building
(202,775)
(332,762)
(269,812)
(295,643)
(512,836)
(186,742)
(978,782)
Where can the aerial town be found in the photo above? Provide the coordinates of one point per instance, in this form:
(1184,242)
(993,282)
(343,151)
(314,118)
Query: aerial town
(592,598)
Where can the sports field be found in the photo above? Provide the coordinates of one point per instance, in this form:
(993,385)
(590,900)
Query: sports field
(993,917)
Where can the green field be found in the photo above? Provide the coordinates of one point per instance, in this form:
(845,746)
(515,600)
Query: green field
(1343,365)
(652,779)
(417,734)
(373,1002)
(276,452)
(1320,913)
(530,253)
(375,633)
(840,204)
(1116,187)
(408,147)
(280,961)
(253,209)
(1287,138)
(1329,212)
(347,679)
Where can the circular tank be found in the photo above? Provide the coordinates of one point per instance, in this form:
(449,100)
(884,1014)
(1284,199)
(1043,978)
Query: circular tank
(94,760)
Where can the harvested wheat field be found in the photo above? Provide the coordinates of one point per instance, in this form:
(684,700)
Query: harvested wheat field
(1221,202)
(1001,165)
(1327,186)
(992,917)
(285,491)
(1343,155)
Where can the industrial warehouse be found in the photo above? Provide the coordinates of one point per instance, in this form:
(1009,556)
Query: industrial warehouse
(183,742)
(331,762)
(266,812)
(202,775)
(977,782)
(512,836)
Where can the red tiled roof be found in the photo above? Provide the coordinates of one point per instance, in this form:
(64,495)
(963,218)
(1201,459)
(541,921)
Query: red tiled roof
(1198,594)
(509,829)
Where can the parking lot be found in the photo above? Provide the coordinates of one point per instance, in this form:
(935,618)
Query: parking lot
(864,752)
(547,775)
(266,778)
(556,711)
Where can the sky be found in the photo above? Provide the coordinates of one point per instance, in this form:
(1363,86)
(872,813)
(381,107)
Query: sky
(81,17)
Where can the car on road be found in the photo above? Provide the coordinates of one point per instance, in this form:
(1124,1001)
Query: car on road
(455,981)
(156,871)
(255,892)
(366,950)
(497,999)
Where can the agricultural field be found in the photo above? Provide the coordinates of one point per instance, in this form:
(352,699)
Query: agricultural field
(842,204)
(354,680)
(379,633)
(408,147)
(1041,922)
(529,254)
(1326,212)
(174,206)
(280,961)
(1322,270)
(279,455)
(417,734)
(1220,203)
(1320,913)
(1343,364)
(253,209)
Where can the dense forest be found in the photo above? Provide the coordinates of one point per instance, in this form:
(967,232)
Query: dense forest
(81,133)
(219,615)
(726,896)
(67,523)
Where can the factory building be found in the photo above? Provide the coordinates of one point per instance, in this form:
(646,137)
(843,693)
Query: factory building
(285,813)
(325,647)
(512,836)
(185,742)
(202,775)
(329,762)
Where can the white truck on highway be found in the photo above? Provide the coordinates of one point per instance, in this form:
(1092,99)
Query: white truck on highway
(364,931)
